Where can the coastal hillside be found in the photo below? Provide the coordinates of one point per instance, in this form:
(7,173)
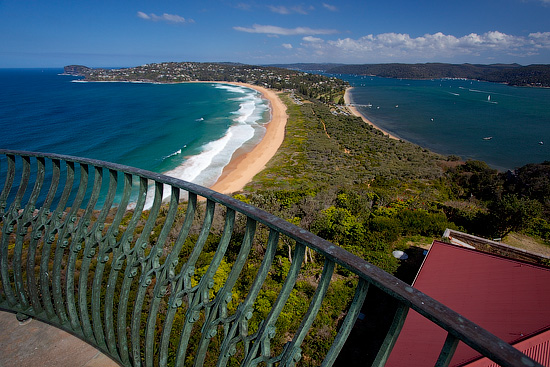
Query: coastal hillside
(348,182)
(512,74)
(351,184)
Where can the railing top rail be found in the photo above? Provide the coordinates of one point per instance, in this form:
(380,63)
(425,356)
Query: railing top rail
(476,337)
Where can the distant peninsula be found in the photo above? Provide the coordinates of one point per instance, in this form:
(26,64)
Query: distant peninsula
(324,88)
(78,70)
(293,76)
(511,74)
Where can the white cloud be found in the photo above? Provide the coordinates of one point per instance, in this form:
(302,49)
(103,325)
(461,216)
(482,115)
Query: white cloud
(399,46)
(143,15)
(540,40)
(288,46)
(333,8)
(279,9)
(270,29)
(312,39)
(170,18)
(290,10)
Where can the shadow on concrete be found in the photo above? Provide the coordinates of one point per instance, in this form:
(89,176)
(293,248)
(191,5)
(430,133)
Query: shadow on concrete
(33,343)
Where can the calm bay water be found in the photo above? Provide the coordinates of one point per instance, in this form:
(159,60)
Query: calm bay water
(454,117)
(189,130)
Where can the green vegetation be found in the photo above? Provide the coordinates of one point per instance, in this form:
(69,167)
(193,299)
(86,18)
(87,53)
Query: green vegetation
(493,204)
(351,184)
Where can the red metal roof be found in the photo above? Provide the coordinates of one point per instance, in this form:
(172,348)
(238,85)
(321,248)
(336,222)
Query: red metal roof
(509,298)
(536,347)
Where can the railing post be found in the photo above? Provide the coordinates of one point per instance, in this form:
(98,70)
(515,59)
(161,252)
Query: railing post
(391,336)
(447,352)
(347,325)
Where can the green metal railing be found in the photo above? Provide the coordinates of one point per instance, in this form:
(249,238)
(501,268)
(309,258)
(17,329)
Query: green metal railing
(77,251)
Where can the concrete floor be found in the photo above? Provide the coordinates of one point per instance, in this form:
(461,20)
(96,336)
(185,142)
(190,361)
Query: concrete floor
(34,343)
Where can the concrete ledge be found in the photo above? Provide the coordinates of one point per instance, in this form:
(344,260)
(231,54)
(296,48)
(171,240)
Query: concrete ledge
(34,343)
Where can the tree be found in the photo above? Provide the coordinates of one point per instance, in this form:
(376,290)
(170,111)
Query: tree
(479,180)
(531,180)
(339,226)
(513,213)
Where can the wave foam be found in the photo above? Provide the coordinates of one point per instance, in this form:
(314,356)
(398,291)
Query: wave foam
(207,166)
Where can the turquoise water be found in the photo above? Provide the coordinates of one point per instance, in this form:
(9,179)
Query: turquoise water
(189,131)
(454,117)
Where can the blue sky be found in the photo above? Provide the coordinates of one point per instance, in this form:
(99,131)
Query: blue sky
(114,33)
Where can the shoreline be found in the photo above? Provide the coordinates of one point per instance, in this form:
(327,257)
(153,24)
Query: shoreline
(356,112)
(244,165)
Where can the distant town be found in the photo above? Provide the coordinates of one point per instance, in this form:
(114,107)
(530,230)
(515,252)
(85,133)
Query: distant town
(326,89)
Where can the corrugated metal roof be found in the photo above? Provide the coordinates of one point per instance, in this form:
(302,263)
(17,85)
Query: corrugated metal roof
(536,347)
(509,298)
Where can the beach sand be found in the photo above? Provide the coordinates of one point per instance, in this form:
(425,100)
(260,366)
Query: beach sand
(245,165)
(354,111)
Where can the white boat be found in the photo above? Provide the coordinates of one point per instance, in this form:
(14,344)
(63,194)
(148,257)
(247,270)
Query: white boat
(488,138)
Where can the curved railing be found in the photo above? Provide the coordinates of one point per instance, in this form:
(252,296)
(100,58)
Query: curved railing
(92,249)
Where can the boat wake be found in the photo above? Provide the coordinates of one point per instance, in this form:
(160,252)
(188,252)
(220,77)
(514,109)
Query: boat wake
(173,154)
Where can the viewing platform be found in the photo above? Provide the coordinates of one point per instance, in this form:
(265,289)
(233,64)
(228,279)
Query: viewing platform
(154,271)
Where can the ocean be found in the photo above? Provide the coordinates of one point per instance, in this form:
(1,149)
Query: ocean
(505,126)
(189,131)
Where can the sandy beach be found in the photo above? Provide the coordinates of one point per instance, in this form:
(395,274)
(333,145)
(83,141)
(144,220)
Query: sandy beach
(245,165)
(356,113)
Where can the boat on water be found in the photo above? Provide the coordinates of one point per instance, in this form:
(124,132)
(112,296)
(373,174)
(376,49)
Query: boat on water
(488,138)
(541,143)
(489,99)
